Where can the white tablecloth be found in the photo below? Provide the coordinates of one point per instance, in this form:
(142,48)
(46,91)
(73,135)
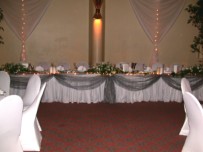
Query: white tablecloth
(1,97)
(159,91)
(56,92)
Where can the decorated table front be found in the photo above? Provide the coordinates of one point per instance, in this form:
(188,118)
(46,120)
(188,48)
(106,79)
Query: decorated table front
(118,88)
(1,97)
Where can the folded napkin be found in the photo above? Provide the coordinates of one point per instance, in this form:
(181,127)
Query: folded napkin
(148,69)
(125,67)
(82,69)
(130,69)
(39,68)
(60,68)
(1,92)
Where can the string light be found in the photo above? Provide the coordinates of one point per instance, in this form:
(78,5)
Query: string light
(156,35)
(23,51)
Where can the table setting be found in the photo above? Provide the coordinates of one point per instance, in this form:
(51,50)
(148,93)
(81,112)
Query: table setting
(105,82)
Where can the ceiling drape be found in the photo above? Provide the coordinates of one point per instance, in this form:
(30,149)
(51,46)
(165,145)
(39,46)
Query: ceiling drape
(156,18)
(22,16)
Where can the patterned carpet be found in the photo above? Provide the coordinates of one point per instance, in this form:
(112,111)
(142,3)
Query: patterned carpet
(103,127)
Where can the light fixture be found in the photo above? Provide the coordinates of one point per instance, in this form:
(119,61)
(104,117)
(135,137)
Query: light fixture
(97,14)
(98,4)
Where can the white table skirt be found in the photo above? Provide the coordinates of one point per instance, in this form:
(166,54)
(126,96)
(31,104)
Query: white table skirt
(159,91)
(56,92)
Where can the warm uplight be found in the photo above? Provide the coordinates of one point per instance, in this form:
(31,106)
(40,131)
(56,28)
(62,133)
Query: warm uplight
(97,22)
(97,27)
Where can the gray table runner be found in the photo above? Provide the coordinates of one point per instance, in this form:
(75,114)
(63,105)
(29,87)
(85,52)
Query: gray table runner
(132,83)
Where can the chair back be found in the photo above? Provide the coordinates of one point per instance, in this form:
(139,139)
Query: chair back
(139,67)
(31,111)
(185,85)
(65,65)
(10,123)
(44,65)
(32,90)
(82,63)
(30,134)
(155,66)
(5,82)
(194,113)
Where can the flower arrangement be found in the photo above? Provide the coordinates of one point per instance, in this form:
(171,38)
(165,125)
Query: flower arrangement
(196,70)
(105,69)
(13,68)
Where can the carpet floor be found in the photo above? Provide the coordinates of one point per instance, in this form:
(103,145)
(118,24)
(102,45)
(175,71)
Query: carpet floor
(103,127)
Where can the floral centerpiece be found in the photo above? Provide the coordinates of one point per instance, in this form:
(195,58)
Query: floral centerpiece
(13,68)
(105,69)
(196,70)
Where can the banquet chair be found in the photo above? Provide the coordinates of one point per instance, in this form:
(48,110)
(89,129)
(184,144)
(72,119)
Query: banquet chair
(65,65)
(193,142)
(31,92)
(185,87)
(155,66)
(30,133)
(139,67)
(120,65)
(10,123)
(82,63)
(5,82)
(44,65)
(176,68)
(124,66)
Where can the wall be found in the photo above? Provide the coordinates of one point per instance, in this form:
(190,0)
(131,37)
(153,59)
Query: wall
(63,35)
(126,40)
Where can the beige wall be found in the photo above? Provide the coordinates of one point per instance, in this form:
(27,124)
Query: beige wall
(125,39)
(63,35)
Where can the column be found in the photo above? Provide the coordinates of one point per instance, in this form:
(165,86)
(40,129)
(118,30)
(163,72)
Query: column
(96,44)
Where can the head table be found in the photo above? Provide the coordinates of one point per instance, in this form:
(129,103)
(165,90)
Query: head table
(118,88)
(1,97)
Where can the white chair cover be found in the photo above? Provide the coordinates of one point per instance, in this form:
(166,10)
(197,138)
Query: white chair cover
(32,90)
(30,134)
(194,113)
(155,66)
(44,65)
(185,87)
(84,64)
(5,82)
(10,123)
(64,65)
(139,67)
(176,68)
(125,67)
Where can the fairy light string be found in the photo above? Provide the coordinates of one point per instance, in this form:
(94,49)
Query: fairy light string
(23,38)
(156,35)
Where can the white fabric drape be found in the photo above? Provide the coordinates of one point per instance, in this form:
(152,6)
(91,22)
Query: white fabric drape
(22,16)
(157,17)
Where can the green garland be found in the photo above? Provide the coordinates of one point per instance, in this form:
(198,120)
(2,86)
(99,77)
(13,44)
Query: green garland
(196,70)
(105,69)
(13,68)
